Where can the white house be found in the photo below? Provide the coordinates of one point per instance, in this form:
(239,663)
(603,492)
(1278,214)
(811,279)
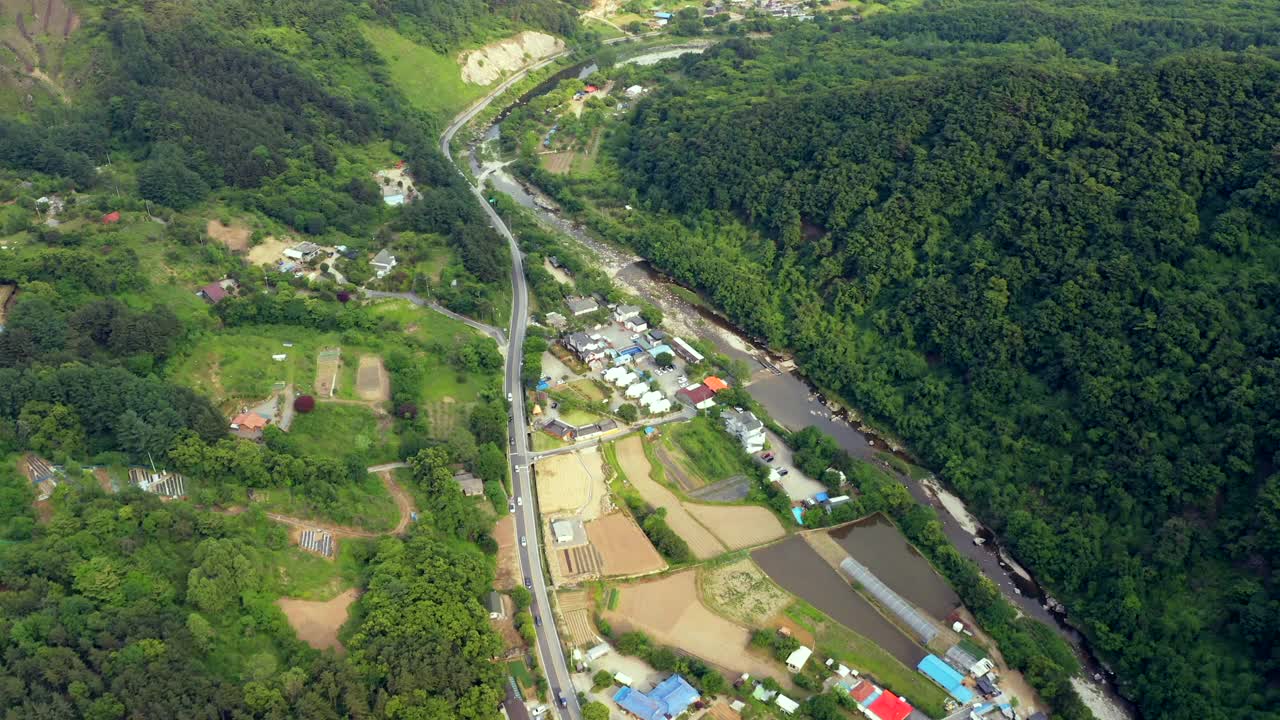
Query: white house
(634,91)
(650,398)
(623,313)
(614,373)
(581,305)
(787,705)
(745,426)
(304,252)
(382,263)
(662,406)
(797,659)
(627,380)
(637,390)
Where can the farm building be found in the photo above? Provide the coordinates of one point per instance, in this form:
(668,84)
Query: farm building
(581,305)
(471,485)
(111,218)
(249,425)
(563,530)
(303,252)
(686,351)
(382,263)
(798,657)
(944,675)
(598,652)
(699,396)
(493,601)
(598,428)
(668,699)
(164,484)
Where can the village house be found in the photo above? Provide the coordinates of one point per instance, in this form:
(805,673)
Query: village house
(669,699)
(303,252)
(588,348)
(556,321)
(686,351)
(699,396)
(623,313)
(560,430)
(382,263)
(471,485)
(215,292)
(249,425)
(744,425)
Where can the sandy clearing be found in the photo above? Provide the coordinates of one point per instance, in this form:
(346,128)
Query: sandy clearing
(486,65)
(508,573)
(634,463)
(7,293)
(624,548)
(371,380)
(234,236)
(317,623)
(572,483)
(671,613)
(270,250)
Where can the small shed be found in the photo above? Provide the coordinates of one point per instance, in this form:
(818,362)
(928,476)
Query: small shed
(493,601)
(797,659)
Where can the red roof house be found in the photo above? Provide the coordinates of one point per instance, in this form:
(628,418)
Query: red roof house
(213,293)
(249,421)
(862,691)
(592,88)
(890,707)
(715,383)
(699,396)
(111,217)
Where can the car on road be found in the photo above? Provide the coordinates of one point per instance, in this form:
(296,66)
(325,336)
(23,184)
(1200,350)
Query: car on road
(537,619)
(524,541)
(784,471)
(511,506)
(527,582)
(560,698)
(510,397)
(520,501)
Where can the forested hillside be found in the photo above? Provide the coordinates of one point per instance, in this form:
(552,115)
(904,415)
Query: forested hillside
(1041,244)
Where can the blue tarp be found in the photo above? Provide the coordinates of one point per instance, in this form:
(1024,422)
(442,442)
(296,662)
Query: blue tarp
(670,698)
(544,385)
(799,515)
(822,497)
(952,681)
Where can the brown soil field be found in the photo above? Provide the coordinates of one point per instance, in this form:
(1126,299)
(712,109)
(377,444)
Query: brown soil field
(508,575)
(634,463)
(573,482)
(234,236)
(797,631)
(372,383)
(558,163)
(575,608)
(738,526)
(317,623)
(327,363)
(742,592)
(269,250)
(721,711)
(671,613)
(624,548)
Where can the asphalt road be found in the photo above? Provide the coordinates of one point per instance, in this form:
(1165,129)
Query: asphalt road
(550,651)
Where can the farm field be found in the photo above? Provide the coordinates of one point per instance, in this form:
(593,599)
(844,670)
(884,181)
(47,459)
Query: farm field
(317,622)
(372,383)
(670,612)
(235,237)
(236,363)
(636,466)
(707,451)
(738,526)
(573,482)
(742,592)
(624,548)
(366,504)
(575,607)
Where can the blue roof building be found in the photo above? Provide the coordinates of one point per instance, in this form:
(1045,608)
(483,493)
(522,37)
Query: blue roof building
(669,699)
(663,15)
(952,681)
(657,350)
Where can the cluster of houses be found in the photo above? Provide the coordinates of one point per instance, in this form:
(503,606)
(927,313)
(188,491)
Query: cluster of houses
(633,388)
(668,699)
(561,430)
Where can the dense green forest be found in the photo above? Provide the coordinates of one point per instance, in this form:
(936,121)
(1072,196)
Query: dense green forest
(1039,242)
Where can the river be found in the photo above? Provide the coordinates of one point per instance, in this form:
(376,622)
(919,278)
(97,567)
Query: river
(795,404)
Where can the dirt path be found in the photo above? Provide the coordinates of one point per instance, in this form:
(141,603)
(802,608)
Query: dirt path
(403,501)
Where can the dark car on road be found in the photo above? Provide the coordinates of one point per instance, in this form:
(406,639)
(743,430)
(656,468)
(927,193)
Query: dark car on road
(527,582)
(560,698)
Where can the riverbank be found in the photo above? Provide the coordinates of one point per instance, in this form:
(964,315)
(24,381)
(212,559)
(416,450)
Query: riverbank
(796,404)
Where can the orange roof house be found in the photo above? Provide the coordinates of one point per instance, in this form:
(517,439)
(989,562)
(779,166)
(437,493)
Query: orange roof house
(249,421)
(715,384)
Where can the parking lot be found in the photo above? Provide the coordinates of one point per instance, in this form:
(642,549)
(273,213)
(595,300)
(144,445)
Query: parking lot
(797,485)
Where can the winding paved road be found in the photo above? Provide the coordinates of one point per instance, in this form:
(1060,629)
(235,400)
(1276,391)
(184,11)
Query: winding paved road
(550,652)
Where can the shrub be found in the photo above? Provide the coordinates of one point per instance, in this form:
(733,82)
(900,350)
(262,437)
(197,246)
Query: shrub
(304,403)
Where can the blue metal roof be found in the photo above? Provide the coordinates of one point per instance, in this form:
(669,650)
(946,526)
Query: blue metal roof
(822,497)
(799,515)
(946,676)
(670,698)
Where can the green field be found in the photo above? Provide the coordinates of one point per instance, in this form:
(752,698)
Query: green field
(521,673)
(236,363)
(835,640)
(429,80)
(366,505)
(709,452)
(335,431)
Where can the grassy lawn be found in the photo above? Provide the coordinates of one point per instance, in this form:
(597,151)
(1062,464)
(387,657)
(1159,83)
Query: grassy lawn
(708,451)
(520,672)
(366,505)
(587,389)
(334,431)
(543,441)
(236,363)
(429,80)
(579,417)
(835,640)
